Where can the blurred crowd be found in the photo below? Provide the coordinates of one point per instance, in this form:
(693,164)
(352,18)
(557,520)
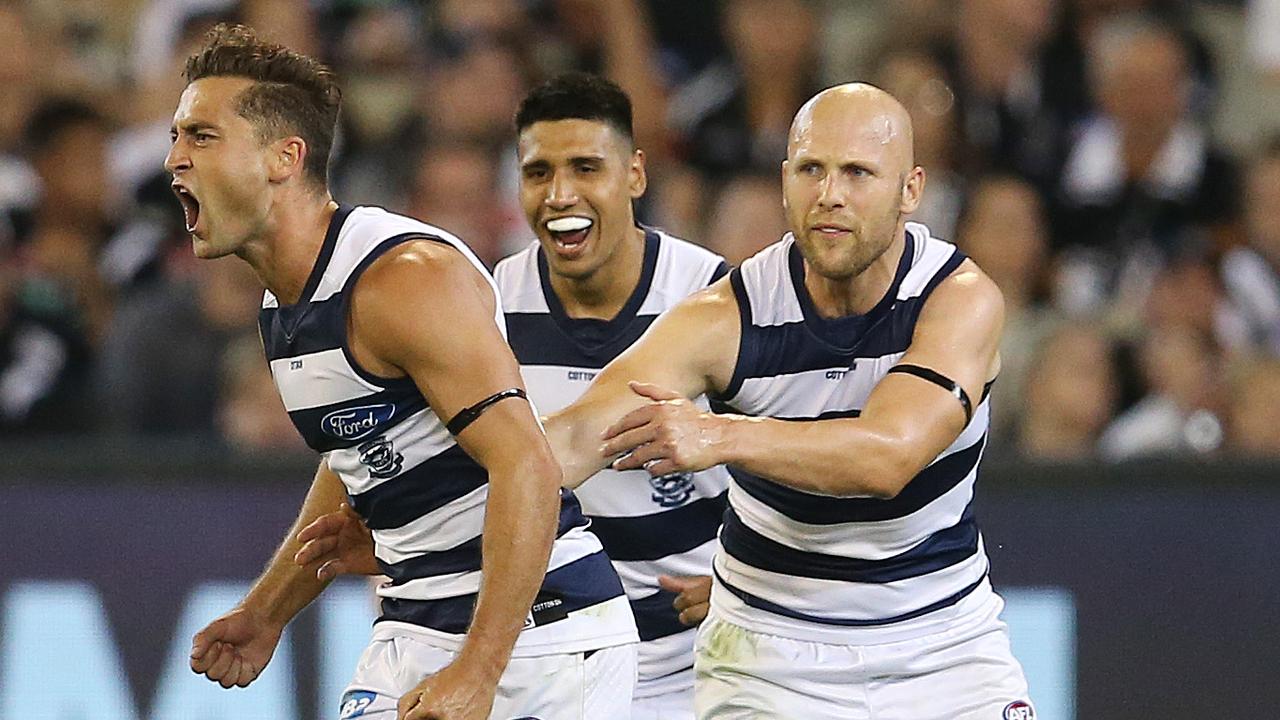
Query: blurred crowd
(1074,149)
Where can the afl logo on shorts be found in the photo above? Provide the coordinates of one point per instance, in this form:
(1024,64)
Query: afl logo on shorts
(1019,711)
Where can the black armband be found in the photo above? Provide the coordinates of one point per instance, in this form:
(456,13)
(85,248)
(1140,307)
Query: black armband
(468,415)
(941,381)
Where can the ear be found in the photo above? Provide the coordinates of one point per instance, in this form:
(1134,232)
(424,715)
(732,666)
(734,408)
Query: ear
(912,190)
(638,179)
(286,159)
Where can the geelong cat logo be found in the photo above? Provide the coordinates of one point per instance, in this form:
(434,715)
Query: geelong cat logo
(1019,711)
(671,490)
(381,458)
(355,423)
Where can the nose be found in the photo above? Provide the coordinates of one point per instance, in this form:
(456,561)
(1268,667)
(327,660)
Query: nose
(561,194)
(831,192)
(177,159)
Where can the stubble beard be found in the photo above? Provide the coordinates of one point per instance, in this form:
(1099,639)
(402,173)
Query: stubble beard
(852,263)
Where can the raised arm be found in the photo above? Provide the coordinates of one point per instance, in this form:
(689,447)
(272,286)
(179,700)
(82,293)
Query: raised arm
(422,310)
(906,423)
(689,351)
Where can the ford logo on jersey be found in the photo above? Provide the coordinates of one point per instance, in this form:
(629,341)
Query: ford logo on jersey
(355,423)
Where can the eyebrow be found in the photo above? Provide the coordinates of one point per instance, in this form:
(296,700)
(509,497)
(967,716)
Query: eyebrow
(191,126)
(843,165)
(573,160)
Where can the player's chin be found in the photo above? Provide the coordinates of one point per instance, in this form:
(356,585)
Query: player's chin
(207,249)
(202,249)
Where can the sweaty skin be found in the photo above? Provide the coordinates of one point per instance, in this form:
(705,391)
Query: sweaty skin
(848,183)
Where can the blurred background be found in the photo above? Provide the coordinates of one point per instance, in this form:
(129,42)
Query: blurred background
(1114,165)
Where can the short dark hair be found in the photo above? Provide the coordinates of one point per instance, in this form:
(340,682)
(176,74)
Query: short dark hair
(577,96)
(292,94)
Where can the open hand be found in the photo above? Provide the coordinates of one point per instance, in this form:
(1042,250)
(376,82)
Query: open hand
(339,543)
(668,435)
(455,693)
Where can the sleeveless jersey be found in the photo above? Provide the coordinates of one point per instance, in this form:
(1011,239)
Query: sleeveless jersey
(421,495)
(804,565)
(649,526)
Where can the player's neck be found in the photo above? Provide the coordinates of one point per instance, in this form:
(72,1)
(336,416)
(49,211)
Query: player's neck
(603,294)
(286,252)
(858,294)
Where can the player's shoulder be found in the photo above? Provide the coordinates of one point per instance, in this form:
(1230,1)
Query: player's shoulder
(683,267)
(518,281)
(938,266)
(678,247)
(770,261)
(373,223)
(518,264)
(966,299)
(763,283)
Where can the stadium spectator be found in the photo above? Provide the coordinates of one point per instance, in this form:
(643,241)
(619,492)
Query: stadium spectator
(44,360)
(1004,230)
(166,342)
(61,239)
(453,188)
(384,90)
(745,217)
(1016,98)
(920,80)
(1070,395)
(1251,273)
(1188,294)
(1143,181)
(734,115)
(19,92)
(1178,414)
(249,415)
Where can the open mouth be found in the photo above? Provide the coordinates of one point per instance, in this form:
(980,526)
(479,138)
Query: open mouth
(569,233)
(190,206)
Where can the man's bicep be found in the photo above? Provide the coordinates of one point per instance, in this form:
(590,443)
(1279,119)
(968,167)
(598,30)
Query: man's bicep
(431,314)
(956,340)
(958,333)
(466,362)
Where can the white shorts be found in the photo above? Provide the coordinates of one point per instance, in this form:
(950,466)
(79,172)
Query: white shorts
(666,698)
(963,672)
(592,685)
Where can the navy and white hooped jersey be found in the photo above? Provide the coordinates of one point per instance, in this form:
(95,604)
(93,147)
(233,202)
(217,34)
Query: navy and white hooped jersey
(649,526)
(421,495)
(804,565)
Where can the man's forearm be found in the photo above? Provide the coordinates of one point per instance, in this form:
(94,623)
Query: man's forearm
(519,527)
(285,588)
(833,457)
(575,442)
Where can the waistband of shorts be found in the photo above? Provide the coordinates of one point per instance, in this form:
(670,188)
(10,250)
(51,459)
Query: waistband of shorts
(572,636)
(973,607)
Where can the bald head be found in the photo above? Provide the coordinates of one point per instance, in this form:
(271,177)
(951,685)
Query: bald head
(850,178)
(858,113)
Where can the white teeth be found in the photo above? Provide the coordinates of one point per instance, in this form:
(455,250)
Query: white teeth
(568,224)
